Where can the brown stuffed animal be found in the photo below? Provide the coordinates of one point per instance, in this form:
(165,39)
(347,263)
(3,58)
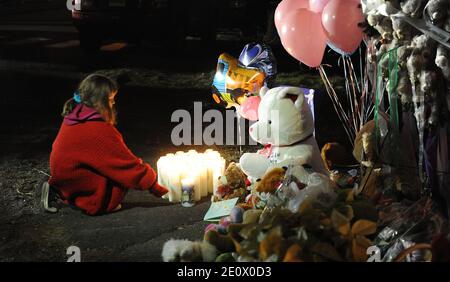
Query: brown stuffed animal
(235,176)
(271,180)
(364,148)
(232,184)
(335,155)
(364,152)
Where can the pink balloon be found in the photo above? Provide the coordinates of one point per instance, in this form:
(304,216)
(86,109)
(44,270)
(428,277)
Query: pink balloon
(340,20)
(249,109)
(287,6)
(317,6)
(303,37)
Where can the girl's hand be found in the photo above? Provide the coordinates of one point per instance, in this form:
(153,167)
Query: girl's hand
(158,190)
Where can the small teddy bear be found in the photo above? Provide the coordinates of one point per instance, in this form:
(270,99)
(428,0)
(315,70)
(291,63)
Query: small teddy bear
(442,61)
(401,29)
(382,24)
(232,184)
(365,152)
(437,11)
(335,155)
(338,161)
(235,176)
(414,65)
(441,56)
(428,87)
(271,180)
(427,46)
(427,80)
(412,8)
(364,149)
(420,57)
(404,88)
(403,52)
(188,251)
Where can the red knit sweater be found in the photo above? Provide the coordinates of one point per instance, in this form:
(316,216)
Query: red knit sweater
(91,167)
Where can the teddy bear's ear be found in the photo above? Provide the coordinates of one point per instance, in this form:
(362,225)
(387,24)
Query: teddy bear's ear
(282,92)
(294,93)
(263,91)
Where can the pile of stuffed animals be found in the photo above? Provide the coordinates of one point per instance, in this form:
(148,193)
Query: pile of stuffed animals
(285,128)
(409,48)
(285,176)
(412,27)
(334,227)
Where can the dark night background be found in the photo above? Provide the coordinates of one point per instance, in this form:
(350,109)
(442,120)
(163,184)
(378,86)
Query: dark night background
(163,62)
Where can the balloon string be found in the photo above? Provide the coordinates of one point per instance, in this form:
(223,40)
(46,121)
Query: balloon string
(335,98)
(364,100)
(353,72)
(361,68)
(349,95)
(349,103)
(352,93)
(334,93)
(364,90)
(370,95)
(355,93)
(335,102)
(371,99)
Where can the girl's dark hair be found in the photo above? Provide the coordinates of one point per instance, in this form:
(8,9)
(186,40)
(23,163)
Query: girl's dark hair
(94,92)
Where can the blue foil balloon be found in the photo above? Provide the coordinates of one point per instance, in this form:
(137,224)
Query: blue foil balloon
(259,56)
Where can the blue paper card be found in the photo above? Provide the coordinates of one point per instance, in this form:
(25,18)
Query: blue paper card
(220,209)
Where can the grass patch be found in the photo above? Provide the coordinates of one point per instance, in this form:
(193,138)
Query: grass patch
(203,80)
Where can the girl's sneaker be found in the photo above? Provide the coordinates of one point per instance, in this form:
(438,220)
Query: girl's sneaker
(46,198)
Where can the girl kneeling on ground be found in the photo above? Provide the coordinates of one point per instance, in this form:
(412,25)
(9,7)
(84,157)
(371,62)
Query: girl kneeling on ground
(91,167)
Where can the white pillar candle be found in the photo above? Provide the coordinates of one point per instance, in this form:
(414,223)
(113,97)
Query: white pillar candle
(175,182)
(204,169)
(204,180)
(165,174)
(161,179)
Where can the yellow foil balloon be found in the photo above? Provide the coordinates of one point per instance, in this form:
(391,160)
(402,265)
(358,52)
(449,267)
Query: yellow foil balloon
(233,83)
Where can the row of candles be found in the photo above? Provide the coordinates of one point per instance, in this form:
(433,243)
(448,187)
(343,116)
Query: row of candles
(201,171)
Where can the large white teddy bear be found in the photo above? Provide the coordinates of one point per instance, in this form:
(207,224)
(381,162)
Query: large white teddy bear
(285,126)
